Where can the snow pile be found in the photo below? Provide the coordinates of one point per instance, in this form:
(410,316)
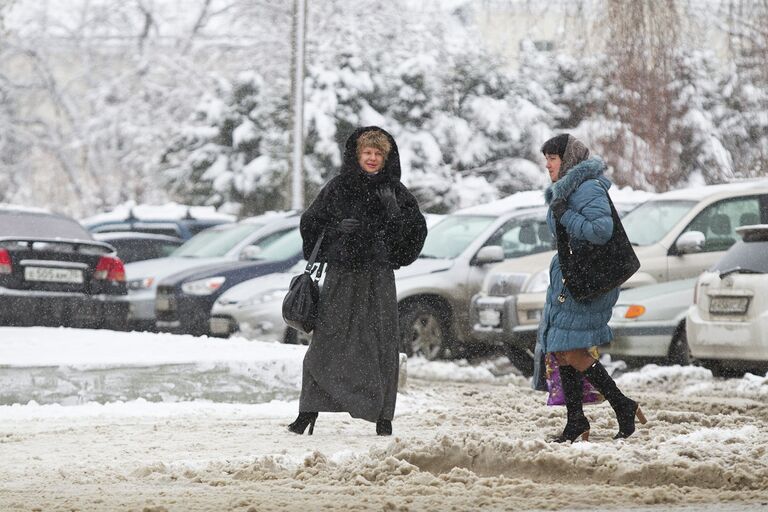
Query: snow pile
(495,371)
(74,366)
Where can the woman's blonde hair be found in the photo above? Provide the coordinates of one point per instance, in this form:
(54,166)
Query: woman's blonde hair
(374,139)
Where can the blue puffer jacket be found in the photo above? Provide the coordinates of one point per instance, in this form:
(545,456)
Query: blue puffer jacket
(570,324)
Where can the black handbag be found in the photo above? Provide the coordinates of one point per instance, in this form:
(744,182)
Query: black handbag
(590,270)
(300,303)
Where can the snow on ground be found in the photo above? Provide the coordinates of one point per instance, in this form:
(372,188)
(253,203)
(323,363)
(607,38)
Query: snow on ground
(467,437)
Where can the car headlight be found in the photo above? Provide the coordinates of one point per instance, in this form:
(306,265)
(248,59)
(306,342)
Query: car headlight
(144,283)
(203,286)
(539,282)
(503,284)
(264,297)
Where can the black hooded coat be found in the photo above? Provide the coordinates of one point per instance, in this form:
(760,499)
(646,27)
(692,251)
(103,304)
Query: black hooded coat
(352,363)
(352,194)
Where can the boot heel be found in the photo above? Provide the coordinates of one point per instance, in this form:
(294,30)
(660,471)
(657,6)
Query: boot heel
(585,436)
(640,416)
(312,426)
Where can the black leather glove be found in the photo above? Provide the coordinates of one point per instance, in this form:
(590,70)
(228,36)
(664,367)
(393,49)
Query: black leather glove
(558,206)
(387,197)
(349,225)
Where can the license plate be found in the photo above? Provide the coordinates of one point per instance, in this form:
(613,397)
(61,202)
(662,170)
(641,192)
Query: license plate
(219,325)
(53,275)
(728,305)
(490,317)
(162,304)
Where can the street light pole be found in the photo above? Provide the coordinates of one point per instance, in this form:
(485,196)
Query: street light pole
(299,29)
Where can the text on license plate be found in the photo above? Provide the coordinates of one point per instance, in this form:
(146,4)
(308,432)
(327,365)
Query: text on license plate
(53,275)
(219,325)
(162,304)
(729,305)
(490,317)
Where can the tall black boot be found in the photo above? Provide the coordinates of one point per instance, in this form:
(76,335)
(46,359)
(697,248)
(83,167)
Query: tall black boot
(577,424)
(625,408)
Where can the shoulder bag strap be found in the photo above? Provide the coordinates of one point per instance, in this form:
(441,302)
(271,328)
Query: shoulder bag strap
(313,257)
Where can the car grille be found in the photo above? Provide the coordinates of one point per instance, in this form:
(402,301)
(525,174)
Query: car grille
(508,284)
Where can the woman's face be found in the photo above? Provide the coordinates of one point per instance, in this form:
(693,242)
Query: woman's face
(553,166)
(371,160)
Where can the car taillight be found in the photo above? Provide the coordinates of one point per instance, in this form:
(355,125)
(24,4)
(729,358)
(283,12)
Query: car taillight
(6,266)
(110,268)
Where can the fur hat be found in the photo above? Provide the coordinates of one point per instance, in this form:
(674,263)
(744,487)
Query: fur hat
(374,139)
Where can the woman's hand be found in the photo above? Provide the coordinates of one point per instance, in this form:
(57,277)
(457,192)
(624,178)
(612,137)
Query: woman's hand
(387,197)
(349,226)
(559,207)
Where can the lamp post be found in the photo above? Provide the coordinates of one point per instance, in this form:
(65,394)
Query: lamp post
(299,29)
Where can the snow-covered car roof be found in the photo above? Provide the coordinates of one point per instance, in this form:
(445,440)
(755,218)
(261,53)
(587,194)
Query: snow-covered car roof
(532,198)
(22,208)
(168,211)
(699,193)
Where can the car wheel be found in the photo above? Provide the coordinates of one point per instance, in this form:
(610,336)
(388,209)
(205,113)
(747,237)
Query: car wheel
(521,359)
(679,351)
(422,331)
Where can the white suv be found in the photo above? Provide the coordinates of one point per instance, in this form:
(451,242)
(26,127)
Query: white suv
(676,235)
(728,321)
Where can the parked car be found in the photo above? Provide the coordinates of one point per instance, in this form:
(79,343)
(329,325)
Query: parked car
(53,273)
(728,321)
(172,219)
(184,300)
(220,244)
(676,235)
(137,246)
(648,322)
(254,307)
(434,291)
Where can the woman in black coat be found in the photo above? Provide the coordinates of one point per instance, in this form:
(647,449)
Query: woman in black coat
(372,225)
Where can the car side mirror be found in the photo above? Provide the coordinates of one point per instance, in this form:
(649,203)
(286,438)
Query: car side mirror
(690,242)
(489,254)
(250,253)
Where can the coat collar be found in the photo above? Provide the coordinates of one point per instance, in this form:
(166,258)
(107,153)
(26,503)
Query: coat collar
(589,169)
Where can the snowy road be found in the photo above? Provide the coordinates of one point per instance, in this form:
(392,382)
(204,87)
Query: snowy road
(473,445)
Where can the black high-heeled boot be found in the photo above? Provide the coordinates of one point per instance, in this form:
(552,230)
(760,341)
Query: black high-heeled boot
(576,424)
(625,408)
(303,420)
(384,427)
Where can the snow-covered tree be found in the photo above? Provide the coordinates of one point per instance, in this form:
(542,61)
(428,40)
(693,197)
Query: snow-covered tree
(234,150)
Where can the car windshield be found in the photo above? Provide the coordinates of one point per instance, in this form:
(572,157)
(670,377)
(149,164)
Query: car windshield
(747,256)
(449,237)
(651,221)
(285,247)
(215,242)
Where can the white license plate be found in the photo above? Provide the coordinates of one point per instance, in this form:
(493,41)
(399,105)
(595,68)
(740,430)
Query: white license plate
(490,317)
(219,325)
(53,275)
(728,305)
(162,304)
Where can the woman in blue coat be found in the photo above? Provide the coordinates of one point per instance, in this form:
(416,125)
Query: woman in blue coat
(578,200)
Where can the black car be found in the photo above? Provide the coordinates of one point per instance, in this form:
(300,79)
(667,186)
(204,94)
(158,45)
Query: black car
(184,300)
(53,273)
(137,246)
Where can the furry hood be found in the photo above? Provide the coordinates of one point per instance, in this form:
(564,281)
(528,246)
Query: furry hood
(590,169)
(350,167)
